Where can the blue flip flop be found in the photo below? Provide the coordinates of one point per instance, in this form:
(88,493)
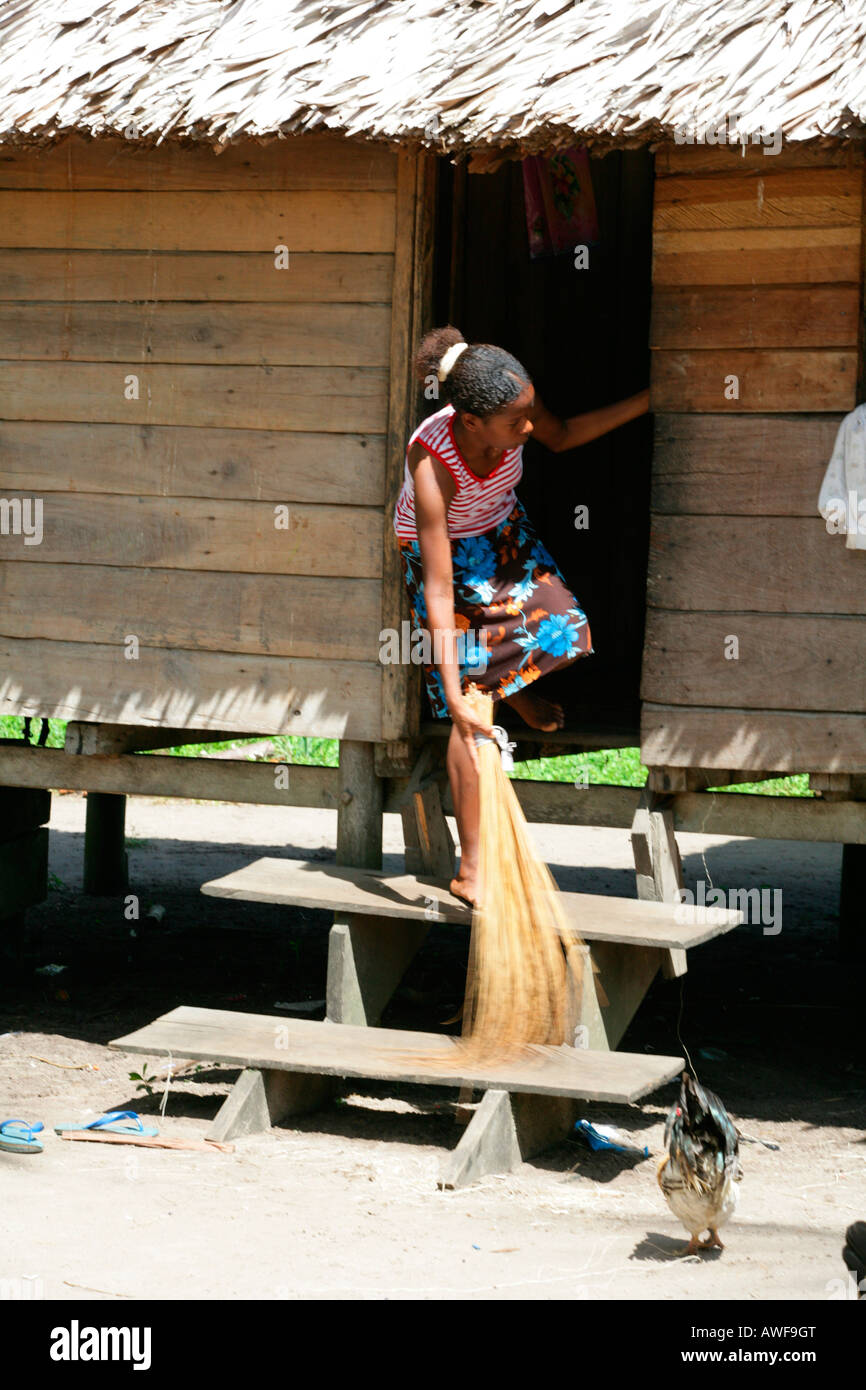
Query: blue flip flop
(112,1122)
(16,1137)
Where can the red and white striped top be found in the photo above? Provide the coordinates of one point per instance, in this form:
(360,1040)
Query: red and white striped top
(478,503)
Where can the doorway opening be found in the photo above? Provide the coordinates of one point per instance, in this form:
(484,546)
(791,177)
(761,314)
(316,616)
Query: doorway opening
(583,335)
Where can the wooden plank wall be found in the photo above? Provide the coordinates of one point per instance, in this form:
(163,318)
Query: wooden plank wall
(256,387)
(757,272)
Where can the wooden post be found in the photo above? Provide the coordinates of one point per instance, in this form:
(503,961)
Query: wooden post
(658,868)
(359,814)
(106,868)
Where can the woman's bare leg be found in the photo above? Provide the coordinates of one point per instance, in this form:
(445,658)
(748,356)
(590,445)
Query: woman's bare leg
(537,712)
(467,812)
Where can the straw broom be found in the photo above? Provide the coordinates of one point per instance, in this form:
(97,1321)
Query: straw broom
(525,963)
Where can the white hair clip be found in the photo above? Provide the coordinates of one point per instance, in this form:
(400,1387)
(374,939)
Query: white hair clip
(500,737)
(447,360)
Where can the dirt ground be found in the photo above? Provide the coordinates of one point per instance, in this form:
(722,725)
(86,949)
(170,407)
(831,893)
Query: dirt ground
(344,1204)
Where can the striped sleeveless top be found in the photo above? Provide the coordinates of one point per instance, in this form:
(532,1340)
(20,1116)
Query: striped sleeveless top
(478,503)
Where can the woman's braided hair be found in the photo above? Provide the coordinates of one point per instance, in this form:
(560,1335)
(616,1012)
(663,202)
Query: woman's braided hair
(482,380)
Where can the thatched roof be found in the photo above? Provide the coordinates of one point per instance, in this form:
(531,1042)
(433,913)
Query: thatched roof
(452,74)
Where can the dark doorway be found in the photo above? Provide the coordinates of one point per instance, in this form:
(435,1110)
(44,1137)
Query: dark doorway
(583,336)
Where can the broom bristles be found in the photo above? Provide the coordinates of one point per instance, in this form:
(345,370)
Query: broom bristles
(524,978)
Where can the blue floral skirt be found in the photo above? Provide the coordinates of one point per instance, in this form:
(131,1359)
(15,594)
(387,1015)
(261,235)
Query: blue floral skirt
(512,607)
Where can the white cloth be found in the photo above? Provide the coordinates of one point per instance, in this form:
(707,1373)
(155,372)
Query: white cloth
(842,499)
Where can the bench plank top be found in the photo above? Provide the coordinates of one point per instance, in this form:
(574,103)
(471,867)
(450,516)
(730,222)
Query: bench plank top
(594,916)
(337,1049)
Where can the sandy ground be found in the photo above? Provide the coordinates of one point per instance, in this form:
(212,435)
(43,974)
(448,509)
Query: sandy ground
(344,1203)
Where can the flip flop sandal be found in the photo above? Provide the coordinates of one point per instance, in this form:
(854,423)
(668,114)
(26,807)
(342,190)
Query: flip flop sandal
(16,1137)
(113,1122)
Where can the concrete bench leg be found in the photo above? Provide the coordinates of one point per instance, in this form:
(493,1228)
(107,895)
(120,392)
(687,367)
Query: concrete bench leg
(260,1099)
(367,959)
(507,1128)
(614,990)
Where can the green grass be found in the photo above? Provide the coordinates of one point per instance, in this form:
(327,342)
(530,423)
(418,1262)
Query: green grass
(612,767)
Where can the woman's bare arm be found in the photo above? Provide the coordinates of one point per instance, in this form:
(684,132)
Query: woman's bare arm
(434,492)
(433,496)
(559,435)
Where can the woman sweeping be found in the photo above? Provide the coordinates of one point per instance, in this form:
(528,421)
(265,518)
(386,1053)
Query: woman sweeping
(479,579)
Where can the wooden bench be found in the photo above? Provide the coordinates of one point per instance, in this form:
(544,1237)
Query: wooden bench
(292,1067)
(383,919)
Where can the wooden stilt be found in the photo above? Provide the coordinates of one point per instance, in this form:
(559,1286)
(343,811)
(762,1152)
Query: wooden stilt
(359,814)
(658,868)
(428,840)
(106,868)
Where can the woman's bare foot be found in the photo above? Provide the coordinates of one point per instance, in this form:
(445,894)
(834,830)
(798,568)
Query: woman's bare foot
(537,712)
(465,888)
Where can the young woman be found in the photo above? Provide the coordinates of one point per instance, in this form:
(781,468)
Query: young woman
(479,579)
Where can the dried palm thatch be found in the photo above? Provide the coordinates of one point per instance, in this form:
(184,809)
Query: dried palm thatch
(455,75)
(524,979)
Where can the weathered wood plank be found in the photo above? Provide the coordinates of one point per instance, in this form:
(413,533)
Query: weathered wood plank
(750,159)
(203,610)
(192,221)
(190,689)
(789,742)
(295,163)
(780,817)
(799,316)
(769,379)
(757,256)
(752,565)
(39,456)
(331,399)
(786,661)
(199,778)
(595,916)
(739,464)
(306,334)
(770,817)
(206,277)
(341,1049)
(412,287)
(561,803)
(790,198)
(192,533)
